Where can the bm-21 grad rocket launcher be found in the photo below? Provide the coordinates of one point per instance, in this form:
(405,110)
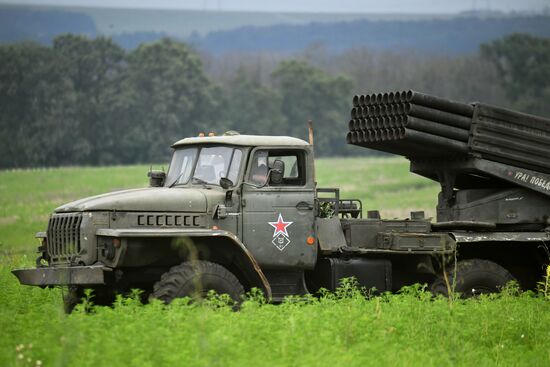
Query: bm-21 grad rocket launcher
(236,212)
(493,165)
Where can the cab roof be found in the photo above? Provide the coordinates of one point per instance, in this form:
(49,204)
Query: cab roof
(246,140)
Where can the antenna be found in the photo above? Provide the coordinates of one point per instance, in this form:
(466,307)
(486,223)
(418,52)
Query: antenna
(310,130)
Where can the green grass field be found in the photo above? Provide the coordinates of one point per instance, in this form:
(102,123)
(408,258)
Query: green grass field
(410,328)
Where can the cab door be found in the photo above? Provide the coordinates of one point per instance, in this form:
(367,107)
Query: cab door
(278,211)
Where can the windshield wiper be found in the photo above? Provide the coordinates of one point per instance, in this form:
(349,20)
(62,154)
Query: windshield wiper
(200,181)
(193,179)
(177,179)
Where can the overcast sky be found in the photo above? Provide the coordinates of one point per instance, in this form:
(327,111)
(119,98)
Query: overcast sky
(345,6)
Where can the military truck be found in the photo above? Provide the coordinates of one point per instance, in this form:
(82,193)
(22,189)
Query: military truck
(236,212)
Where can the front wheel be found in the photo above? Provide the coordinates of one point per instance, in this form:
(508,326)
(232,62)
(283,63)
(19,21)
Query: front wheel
(194,279)
(473,277)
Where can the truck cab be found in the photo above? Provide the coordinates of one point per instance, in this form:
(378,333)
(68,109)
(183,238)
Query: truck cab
(267,197)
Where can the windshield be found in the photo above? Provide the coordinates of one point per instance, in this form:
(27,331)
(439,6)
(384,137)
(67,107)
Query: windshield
(204,165)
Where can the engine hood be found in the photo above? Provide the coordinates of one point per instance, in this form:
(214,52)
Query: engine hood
(147,199)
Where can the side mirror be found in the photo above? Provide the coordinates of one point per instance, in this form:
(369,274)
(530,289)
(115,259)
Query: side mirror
(156,178)
(226,183)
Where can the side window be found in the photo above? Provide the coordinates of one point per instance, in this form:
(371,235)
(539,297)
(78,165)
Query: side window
(290,162)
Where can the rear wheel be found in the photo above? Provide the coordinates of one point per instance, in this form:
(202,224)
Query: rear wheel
(194,279)
(473,277)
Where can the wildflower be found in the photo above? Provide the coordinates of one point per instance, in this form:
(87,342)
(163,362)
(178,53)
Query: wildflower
(30,345)
(29,359)
(19,347)
(522,336)
(38,363)
(20,356)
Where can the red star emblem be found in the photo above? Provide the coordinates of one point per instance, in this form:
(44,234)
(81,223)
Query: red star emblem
(280,226)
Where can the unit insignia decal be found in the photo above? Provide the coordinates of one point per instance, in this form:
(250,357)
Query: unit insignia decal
(280,235)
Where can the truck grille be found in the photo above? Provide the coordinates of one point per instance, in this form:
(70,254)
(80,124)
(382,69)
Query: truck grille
(64,235)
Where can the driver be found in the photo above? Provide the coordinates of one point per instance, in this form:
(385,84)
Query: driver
(258,173)
(210,168)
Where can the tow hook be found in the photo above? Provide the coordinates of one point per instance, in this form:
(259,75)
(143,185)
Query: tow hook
(43,255)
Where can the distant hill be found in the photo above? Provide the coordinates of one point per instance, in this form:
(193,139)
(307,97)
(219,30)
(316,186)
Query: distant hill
(219,32)
(18,24)
(182,23)
(130,41)
(449,36)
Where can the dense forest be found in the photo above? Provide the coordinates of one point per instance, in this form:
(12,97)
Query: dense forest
(90,102)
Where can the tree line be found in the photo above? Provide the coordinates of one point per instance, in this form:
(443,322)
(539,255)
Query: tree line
(87,101)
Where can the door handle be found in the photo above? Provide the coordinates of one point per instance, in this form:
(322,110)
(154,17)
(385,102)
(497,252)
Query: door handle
(302,205)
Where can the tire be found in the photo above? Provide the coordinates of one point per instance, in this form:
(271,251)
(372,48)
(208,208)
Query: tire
(474,277)
(195,279)
(71,299)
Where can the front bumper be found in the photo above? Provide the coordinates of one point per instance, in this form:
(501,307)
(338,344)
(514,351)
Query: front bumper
(74,275)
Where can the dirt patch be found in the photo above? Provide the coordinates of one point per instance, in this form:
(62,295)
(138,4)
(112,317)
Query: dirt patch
(40,218)
(9,220)
(347,187)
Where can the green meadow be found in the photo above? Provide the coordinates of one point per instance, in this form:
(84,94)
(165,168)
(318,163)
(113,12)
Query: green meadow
(342,329)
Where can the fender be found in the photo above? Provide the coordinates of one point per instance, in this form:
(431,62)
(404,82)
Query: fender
(250,267)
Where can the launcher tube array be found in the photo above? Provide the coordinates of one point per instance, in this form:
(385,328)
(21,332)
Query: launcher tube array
(420,126)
